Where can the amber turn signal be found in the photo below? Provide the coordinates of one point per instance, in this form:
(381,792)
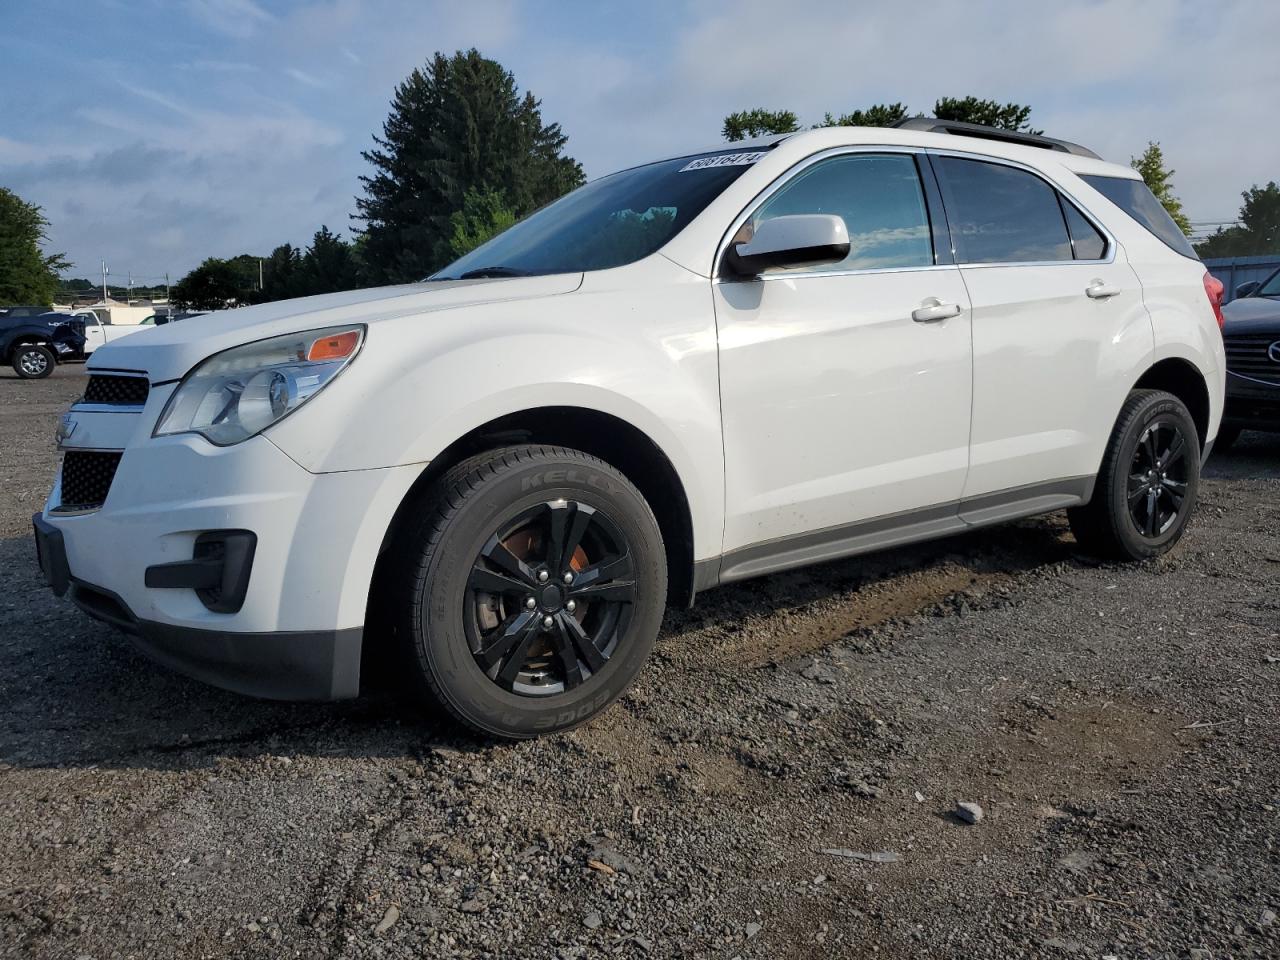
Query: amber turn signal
(338,346)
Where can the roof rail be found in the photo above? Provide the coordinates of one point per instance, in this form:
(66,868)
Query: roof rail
(934,125)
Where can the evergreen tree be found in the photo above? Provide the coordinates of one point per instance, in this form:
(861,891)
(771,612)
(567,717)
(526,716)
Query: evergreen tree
(989,113)
(328,265)
(27,275)
(1160,180)
(877,115)
(280,273)
(457,124)
(746,124)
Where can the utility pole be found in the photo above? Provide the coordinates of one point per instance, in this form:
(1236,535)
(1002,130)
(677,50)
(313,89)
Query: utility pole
(104,282)
(128,297)
(259,274)
(166,290)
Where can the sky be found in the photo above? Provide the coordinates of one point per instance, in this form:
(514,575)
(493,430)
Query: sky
(155,133)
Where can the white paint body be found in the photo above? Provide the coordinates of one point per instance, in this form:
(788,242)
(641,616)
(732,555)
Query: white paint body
(787,406)
(98,334)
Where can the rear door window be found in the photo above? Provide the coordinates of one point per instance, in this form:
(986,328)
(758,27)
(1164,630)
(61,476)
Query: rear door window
(1136,199)
(1000,214)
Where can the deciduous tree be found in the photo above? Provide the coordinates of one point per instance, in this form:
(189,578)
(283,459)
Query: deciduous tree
(27,274)
(1258,232)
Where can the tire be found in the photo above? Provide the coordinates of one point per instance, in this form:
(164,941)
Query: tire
(1227,437)
(464,572)
(1134,513)
(32,361)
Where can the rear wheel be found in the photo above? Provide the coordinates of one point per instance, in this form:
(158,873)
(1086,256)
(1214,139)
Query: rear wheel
(530,589)
(1147,486)
(32,361)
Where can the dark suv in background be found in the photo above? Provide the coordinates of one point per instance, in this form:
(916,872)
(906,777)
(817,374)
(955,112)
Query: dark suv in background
(1252,336)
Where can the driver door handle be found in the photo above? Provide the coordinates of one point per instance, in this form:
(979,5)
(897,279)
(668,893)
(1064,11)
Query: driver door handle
(1098,290)
(933,310)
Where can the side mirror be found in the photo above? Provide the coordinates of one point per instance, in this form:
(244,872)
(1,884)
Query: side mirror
(1248,289)
(800,240)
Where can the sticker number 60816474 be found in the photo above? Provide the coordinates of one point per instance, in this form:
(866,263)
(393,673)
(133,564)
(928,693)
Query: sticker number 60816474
(723,160)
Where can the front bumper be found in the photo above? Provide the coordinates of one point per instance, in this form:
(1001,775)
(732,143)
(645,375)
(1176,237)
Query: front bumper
(282,665)
(296,632)
(1251,404)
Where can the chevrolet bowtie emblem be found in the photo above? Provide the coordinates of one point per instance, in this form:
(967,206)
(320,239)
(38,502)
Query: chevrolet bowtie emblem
(66,427)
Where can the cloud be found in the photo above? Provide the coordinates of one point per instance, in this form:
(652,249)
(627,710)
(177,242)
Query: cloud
(235,18)
(239,149)
(304,78)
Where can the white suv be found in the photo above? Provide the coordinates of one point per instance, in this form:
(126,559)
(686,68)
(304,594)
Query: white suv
(688,373)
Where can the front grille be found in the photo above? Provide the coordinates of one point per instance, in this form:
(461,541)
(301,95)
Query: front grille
(1248,355)
(113,388)
(86,478)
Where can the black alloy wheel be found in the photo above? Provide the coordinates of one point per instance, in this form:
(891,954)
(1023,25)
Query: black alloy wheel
(549,598)
(1146,487)
(526,586)
(1158,478)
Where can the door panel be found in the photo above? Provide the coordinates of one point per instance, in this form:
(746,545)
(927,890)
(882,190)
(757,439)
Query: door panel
(94,335)
(1051,369)
(1058,325)
(837,405)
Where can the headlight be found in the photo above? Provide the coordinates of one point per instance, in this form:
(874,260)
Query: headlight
(240,392)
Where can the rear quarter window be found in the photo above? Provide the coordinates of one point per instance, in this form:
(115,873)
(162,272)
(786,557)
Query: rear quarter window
(1136,199)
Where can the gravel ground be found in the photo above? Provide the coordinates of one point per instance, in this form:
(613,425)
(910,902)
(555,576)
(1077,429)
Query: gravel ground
(782,783)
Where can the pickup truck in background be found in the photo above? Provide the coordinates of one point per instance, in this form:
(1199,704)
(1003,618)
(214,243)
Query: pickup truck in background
(34,345)
(97,333)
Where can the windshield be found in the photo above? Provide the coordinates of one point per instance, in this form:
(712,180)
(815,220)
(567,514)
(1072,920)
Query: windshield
(612,221)
(1270,287)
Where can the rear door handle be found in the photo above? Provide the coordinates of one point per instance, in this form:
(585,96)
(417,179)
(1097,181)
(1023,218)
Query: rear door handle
(933,310)
(1097,290)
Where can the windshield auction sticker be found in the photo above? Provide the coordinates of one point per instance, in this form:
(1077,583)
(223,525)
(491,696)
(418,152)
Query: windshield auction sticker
(723,160)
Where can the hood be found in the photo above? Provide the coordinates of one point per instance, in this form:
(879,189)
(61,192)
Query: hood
(1252,315)
(169,351)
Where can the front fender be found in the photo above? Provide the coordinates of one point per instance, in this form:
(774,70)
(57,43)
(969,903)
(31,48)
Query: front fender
(637,343)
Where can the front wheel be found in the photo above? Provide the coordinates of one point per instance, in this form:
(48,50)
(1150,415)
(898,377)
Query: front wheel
(32,361)
(529,589)
(1147,486)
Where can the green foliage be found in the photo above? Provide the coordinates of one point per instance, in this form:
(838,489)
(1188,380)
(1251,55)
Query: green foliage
(213,285)
(328,265)
(457,124)
(281,273)
(1151,166)
(483,216)
(630,234)
(27,274)
(877,115)
(746,124)
(1258,232)
(1007,116)
(989,113)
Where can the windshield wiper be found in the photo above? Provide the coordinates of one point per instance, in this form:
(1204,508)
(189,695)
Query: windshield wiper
(482,272)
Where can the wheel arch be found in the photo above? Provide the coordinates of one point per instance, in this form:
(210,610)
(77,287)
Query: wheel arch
(614,440)
(26,339)
(1184,380)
